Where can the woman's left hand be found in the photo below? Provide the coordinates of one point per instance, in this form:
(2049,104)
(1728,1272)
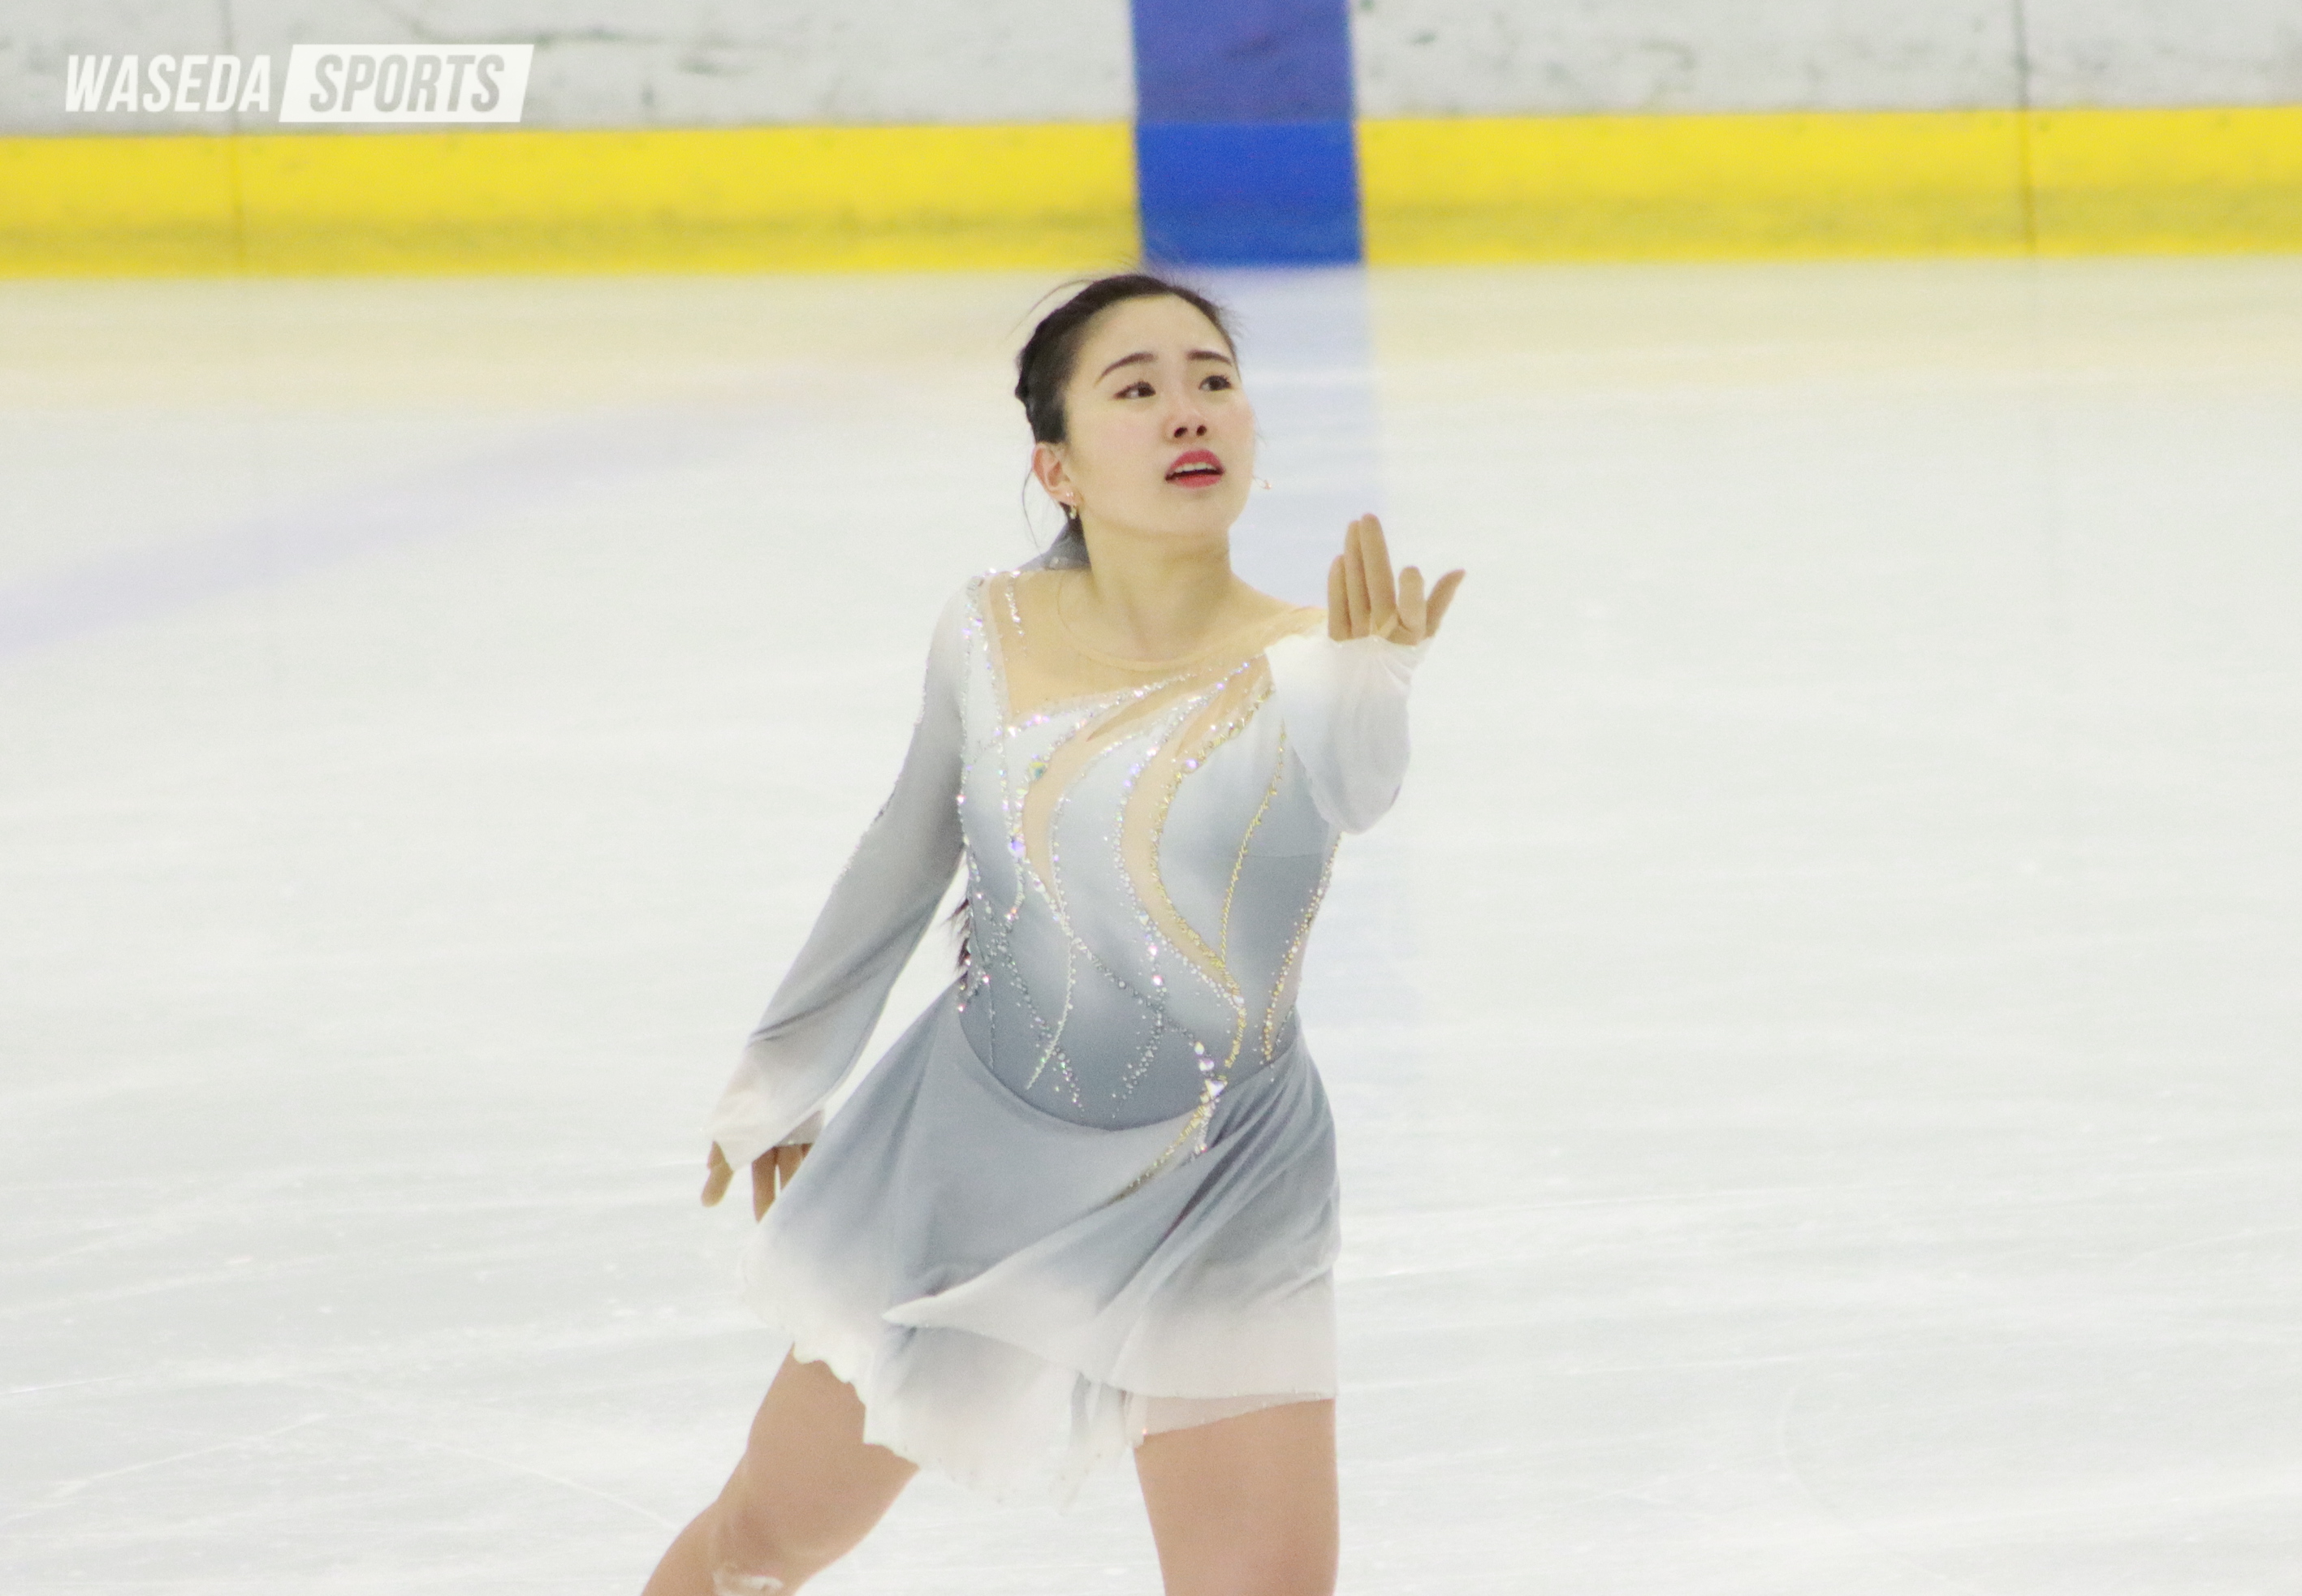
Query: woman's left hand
(771,1170)
(1364,602)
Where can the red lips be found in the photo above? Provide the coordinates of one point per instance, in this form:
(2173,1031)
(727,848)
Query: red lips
(1196,467)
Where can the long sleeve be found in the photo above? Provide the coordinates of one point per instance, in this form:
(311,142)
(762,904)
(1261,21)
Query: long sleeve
(822,1014)
(1344,706)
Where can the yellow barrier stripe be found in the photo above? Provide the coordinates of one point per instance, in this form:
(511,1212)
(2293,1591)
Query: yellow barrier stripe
(1766,186)
(1063,196)
(160,204)
(1059,196)
(1689,187)
(2173,180)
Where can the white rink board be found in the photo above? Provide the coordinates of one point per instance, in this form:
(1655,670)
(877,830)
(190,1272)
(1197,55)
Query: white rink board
(1485,58)
(1815,1050)
(635,63)
(618,64)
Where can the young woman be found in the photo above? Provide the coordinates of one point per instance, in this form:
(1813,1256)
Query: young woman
(1088,1201)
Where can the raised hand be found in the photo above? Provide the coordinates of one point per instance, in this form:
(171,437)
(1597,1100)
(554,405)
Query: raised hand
(771,1170)
(1364,602)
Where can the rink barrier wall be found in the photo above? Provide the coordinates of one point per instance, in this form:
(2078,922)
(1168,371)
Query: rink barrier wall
(1062,196)
(831,198)
(1804,185)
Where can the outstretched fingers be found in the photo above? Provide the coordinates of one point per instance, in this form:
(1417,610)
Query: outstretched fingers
(1383,593)
(1441,596)
(1411,623)
(717,1175)
(1364,600)
(1355,586)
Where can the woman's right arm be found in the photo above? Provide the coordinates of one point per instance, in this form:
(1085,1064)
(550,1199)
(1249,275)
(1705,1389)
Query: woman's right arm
(1342,697)
(823,1013)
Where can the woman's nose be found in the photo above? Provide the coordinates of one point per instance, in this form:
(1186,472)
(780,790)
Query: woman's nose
(1188,422)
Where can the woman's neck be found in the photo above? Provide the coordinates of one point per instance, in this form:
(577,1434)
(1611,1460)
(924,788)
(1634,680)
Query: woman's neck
(1157,597)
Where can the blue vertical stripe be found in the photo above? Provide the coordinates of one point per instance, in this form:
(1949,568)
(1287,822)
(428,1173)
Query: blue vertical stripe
(1243,140)
(1242,60)
(1248,193)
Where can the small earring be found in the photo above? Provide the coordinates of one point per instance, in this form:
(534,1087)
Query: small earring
(1263,482)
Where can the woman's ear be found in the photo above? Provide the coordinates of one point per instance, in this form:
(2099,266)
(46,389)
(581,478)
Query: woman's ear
(1047,464)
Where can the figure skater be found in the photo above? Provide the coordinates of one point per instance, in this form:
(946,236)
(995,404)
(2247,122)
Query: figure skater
(1087,1201)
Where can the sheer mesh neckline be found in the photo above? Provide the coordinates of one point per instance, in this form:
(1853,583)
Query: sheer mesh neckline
(1241,641)
(1040,665)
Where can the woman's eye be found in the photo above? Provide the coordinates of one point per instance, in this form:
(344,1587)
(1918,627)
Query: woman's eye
(1217,380)
(1134,390)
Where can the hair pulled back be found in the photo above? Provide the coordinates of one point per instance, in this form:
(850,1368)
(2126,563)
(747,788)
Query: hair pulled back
(1045,363)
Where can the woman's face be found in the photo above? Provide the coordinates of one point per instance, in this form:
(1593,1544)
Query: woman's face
(1162,437)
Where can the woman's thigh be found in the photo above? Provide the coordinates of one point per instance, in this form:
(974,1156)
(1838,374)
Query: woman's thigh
(809,1486)
(1245,1505)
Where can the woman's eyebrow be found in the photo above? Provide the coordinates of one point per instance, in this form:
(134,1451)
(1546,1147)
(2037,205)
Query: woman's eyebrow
(1141,356)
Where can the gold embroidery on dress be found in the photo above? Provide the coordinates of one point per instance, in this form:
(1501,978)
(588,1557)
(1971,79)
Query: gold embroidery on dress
(1214,1078)
(1143,824)
(1189,708)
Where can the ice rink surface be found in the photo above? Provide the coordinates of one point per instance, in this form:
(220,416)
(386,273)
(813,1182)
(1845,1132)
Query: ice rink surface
(1817,1048)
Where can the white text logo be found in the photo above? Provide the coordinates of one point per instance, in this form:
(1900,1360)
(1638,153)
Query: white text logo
(324,83)
(401,83)
(167,83)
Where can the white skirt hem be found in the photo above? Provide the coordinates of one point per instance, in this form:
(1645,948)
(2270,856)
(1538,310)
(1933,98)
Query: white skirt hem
(1008,1320)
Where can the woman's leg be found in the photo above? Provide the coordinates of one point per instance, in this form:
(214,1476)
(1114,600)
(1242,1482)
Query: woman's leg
(1245,1505)
(807,1489)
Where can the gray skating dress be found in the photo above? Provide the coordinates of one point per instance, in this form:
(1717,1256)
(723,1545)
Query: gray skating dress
(1090,1193)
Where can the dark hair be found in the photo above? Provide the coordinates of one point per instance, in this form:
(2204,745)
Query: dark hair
(1044,364)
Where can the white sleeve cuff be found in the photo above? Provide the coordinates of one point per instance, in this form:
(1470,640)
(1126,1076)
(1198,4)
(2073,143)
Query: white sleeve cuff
(1344,705)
